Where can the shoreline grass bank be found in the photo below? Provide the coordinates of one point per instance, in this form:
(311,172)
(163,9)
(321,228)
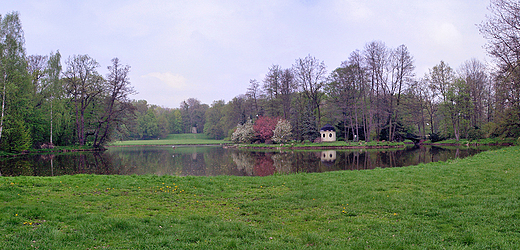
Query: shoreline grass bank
(325,145)
(479,142)
(57,149)
(470,203)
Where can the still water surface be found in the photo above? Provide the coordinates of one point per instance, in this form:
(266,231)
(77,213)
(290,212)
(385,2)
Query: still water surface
(215,160)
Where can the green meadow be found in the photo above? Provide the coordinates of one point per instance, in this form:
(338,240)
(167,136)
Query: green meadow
(471,203)
(174,139)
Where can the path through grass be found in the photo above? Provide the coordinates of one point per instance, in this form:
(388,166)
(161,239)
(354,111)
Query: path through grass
(471,203)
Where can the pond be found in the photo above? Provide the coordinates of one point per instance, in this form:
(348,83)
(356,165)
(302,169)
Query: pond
(216,160)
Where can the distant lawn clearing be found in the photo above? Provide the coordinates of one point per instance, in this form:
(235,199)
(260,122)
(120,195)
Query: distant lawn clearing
(174,139)
(471,203)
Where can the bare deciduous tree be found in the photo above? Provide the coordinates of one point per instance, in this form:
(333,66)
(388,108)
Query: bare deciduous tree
(475,75)
(254,95)
(116,103)
(402,74)
(83,84)
(376,63)
(310,74)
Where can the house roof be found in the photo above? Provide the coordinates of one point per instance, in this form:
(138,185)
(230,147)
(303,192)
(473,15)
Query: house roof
(327,127)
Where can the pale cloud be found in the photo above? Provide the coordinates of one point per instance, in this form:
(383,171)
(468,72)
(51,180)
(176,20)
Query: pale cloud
(445,34)
(174,81)
(353,11)
(210,50)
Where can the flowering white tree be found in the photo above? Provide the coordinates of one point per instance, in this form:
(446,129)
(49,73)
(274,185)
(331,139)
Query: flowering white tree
(244,133)
(282,131)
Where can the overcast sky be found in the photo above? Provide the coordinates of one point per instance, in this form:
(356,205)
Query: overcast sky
(210,50)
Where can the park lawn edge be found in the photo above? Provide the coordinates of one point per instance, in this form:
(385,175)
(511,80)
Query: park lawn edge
(470,203)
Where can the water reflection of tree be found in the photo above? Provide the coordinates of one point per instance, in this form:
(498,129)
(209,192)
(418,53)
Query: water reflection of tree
(222,162)
(243,161)
(264,164)
(218,161)
(283,162)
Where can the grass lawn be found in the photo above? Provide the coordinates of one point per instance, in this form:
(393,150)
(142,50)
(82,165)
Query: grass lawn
(487,141)
(173,139)
(471,203)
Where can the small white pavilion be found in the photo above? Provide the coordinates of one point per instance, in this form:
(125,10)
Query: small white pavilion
(328,133)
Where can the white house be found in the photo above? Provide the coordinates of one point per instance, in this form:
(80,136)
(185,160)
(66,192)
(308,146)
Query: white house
(328,133)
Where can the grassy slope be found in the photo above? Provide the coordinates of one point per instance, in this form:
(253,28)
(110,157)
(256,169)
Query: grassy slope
(488,141)
(473,203)
(173,139)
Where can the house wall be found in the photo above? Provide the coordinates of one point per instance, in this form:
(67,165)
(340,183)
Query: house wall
(328,136)
(329,155)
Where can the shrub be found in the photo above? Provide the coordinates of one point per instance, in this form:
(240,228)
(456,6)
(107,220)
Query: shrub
(244,133)
(264,127)
(282,132)
(435,137)
(16,137)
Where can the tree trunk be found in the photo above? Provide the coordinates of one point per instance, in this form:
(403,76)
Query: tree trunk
(3,108)
(51,120)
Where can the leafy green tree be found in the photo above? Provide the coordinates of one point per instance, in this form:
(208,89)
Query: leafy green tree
(16,89)
(193,115)
(175,119)
(214,126)
(308,120)
(17,137)
(441,79)
(235,112)
(36,66)
(147,125)
(457,107)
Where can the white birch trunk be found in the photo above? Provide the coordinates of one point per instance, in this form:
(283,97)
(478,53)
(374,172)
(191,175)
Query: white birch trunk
(3,110)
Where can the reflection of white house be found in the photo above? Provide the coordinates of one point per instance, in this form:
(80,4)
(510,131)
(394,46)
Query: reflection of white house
(328,133)
(328,156)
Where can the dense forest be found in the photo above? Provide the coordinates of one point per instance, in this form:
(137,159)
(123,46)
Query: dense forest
(373,95)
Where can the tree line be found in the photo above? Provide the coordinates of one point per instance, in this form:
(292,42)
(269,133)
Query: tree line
(45,104)
(373,95)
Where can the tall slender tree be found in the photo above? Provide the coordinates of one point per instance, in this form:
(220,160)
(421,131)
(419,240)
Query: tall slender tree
(402,73)
(53,72)
(272,89)
(375,58)
(16,88)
